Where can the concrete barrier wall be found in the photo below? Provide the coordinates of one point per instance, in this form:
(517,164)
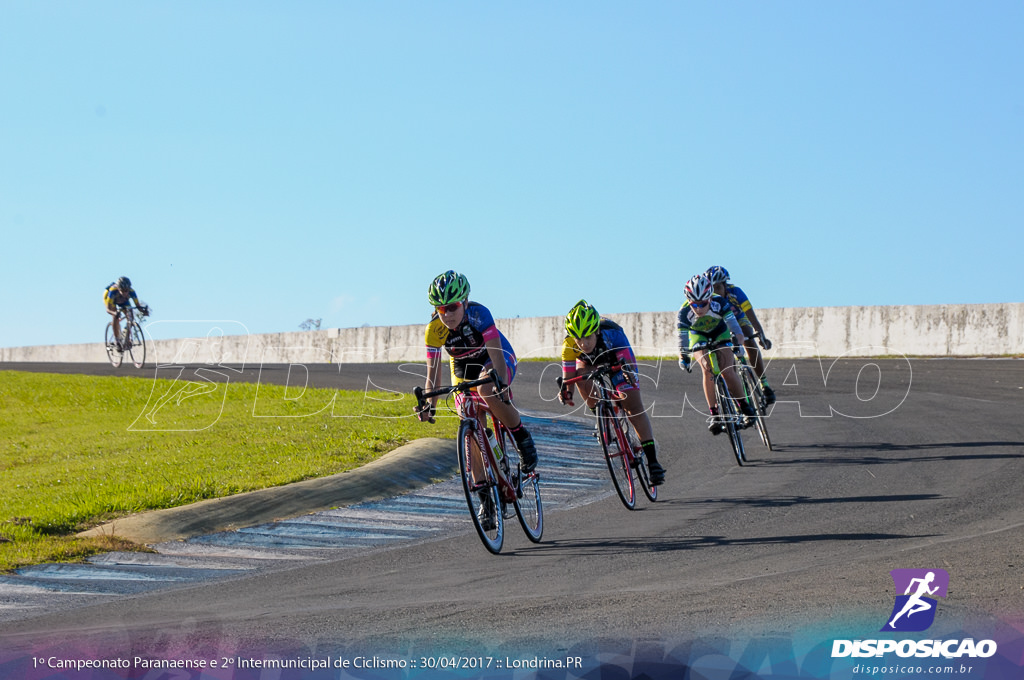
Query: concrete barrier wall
(936,330)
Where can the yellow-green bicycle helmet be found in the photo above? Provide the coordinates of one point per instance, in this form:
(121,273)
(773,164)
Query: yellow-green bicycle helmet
(582,320)
(448,288)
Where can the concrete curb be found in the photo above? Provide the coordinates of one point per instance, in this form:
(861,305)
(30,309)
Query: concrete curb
(414,465)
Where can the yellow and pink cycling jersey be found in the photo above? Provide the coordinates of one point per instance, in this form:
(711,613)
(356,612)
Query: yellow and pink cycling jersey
(612,348)
(465,344)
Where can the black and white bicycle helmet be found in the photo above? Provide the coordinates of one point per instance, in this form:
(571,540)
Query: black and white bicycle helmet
(698,289)
(717,274)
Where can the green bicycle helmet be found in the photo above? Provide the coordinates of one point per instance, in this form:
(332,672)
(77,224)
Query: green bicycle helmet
(448,288)
(582,320)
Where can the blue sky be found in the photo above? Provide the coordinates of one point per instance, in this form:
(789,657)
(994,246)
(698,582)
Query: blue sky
(272,162)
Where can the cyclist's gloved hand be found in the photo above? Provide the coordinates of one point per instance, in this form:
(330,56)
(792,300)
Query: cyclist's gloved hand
(426,414)
(764,342)
(684,363)
(565,396)
(502,390)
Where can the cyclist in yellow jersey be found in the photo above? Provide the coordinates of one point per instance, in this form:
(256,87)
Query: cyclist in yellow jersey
(466,331)
(120,295)
(591,340)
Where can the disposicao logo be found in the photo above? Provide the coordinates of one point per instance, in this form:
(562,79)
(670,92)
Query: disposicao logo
(914,610)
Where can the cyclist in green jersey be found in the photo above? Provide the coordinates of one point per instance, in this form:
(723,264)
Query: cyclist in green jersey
(706,318)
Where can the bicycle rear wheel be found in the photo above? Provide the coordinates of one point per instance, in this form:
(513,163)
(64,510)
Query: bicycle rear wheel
(632,440)
(137,346)
(615,456)
(110,342)
(529,508)
(755,397)
(727,411)
(489,523)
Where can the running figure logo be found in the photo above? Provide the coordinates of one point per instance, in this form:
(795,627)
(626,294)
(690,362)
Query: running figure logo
(914,611)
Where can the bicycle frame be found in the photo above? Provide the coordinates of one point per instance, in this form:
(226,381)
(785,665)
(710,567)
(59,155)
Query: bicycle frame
(475,410)
(613,428)
(130,339)
(605,392)
(728,411)
(755,397)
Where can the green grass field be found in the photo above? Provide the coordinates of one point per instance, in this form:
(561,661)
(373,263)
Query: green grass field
(79,450)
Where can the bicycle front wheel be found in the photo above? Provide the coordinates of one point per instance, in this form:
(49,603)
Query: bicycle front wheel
(137,345)
(615,456)
(727,411)
(482,497)
(755,397)
(110,342)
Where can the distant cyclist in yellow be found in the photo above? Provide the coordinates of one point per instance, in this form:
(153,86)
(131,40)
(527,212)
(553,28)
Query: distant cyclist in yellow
(120,295)
(467,332)
(590,341)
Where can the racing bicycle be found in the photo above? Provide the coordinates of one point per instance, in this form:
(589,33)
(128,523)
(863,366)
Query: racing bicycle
(755,397)
(729,417)
(621,444)
(132,340)
(492,477)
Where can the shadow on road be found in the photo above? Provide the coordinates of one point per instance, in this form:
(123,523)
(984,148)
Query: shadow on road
(884,447)
(787,501)
(659,544)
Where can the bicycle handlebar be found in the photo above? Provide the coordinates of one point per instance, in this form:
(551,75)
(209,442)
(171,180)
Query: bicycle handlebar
(421,396)
(596,373)
(604,369)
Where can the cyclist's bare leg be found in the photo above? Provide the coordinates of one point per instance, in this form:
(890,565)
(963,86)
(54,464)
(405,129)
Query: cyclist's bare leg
(727,367)
(477,464)
(708,376)
(117,321)
(633,405)
(508,414)
(589,393)
(727,364)
(754,357)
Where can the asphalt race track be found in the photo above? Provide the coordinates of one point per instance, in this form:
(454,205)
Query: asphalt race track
(878,465)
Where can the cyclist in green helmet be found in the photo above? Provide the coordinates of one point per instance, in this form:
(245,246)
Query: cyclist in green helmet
(590,341)
(466,331)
